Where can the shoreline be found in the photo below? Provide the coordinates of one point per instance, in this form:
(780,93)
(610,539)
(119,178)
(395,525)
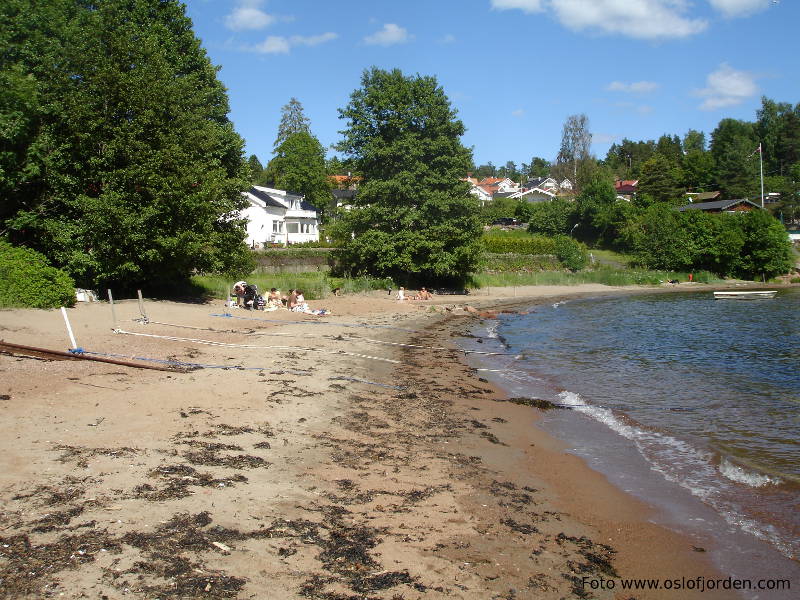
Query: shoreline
(294,481)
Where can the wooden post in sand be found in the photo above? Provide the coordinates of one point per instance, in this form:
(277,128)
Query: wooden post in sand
(69,329)
(141,305)
(113,312)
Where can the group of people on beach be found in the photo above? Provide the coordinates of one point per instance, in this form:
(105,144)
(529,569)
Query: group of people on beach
(423,294)
(247,296)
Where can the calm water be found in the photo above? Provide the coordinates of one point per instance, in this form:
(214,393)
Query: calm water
(704,392)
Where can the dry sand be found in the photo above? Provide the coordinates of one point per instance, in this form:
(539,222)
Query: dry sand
(291,479)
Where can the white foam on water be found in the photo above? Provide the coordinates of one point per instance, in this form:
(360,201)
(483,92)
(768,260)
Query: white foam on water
(491,330)
(691,468)
(559,303)
(739,475)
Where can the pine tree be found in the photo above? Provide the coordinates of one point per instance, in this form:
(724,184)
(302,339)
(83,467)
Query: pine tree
(293,120)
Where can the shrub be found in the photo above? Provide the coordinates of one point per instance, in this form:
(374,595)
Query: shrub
(535,244)
(572,253)
(27,279)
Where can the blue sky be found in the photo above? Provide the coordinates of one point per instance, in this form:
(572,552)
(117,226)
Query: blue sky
(514,69)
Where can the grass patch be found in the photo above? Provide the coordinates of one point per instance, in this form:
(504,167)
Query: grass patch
(603,275)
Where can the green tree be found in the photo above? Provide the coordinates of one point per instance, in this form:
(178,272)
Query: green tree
(662,241)
(487,170)
(299,166)
(698,171)
(694,141)
(671,148)
(133,172)
(576,140)
(256,168)
(293,120)
(538,167)
(766,251)
(413,218)
(733,146)
(661,180)
(551,218)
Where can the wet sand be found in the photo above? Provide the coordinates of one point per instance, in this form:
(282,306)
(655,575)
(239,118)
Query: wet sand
(335,466)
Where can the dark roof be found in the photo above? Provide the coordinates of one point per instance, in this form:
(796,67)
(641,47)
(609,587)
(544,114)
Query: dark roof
(503,194)
(270,201)
(265,198)
(306,205)
(715,205)
(343,194)
(535,182)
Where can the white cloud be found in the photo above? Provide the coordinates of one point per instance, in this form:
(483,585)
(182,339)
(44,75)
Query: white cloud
(274,44)
(519,113)
(637,87)
(390,34)
(313,40)
(248,15)
(642,19)
(448,39)
(528,6)
(277,44)
(727,87)
(739,8)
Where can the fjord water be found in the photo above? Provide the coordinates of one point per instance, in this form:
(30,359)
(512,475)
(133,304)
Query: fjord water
(689,402)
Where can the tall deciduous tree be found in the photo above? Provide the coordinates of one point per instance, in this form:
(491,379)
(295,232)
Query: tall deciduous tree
(299,166)
(734,146)
(576,140)
(293,120)
(133,172)
(413,219)
(661,180)
(538,167)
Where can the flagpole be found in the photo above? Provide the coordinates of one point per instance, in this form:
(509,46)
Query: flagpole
(761,167)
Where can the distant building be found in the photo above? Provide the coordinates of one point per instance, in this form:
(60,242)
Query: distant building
(626,188)
(279,217)
(718,206)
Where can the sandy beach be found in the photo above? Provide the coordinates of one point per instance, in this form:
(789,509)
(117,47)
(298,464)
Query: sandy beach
(354,456)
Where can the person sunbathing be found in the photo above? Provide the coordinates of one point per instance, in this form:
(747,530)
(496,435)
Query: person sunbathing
(422,295)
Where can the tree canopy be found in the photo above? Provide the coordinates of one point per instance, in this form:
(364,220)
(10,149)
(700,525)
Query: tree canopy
(124,166)
(299,166)
(293,120)
(413,218)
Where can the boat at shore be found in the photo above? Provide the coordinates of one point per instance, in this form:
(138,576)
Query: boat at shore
(745,295)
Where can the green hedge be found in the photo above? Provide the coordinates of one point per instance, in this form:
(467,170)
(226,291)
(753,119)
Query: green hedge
(536,244)
(28,280)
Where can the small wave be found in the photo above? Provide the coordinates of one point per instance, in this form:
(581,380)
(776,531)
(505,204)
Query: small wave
(559,303)
(491,330)
(739,475)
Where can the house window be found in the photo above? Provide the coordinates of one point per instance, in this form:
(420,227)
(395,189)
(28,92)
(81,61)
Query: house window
(292,227)
(277,227)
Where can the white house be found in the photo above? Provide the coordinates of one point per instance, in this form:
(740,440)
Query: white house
(565,185)
(535,195)
(277,216)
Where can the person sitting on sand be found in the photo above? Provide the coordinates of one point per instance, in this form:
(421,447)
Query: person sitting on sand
(291,299)
(299,304)
(401,294)
(423,295)
(274,298)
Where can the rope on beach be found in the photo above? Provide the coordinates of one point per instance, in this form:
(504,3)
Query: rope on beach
(367,325)
(315,336)
(252,346)
(179,363)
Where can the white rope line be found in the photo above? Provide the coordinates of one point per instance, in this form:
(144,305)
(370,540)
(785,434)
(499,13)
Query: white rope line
(226,345)
(331,337)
